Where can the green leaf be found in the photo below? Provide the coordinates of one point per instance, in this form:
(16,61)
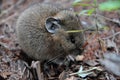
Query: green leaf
(88,12)
(109,5)
(82,4)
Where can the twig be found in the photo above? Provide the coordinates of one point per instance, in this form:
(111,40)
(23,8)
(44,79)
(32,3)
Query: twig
(112,35)
(96,19)
(11,8)
(10,17)
(38,75)
(112,20)
(4,45)
(118,22)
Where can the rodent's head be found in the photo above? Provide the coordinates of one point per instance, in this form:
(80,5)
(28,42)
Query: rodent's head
(66,20)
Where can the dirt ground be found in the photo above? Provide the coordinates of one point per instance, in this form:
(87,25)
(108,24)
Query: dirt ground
(100,59)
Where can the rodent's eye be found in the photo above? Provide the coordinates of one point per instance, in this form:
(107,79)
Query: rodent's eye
(72,39)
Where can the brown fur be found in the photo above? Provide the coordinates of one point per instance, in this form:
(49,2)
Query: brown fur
(37,42)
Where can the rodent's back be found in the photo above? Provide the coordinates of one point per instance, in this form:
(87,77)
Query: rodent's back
(35,16)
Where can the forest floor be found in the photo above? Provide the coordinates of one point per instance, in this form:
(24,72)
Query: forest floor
(100,59)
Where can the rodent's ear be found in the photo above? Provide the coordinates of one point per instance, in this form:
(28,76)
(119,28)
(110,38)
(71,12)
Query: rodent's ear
(52,25)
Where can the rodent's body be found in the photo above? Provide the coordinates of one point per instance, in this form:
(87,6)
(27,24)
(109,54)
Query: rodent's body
(40,44)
